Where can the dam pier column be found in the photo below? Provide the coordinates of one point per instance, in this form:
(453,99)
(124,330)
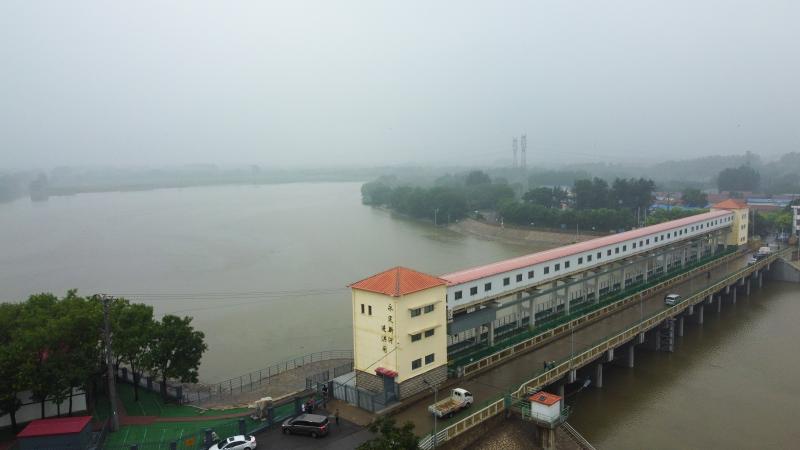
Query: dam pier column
(598,375)
(700,313)
(630,356)
(733,296)
(680,326)
(490,337)
(748,287)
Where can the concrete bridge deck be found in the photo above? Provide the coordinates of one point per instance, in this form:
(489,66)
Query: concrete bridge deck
(507,377)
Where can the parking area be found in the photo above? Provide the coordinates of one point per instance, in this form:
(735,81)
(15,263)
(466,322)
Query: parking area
(344,436)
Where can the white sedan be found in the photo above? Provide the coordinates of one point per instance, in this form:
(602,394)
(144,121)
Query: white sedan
(240,442)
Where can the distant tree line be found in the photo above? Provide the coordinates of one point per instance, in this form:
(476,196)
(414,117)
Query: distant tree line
(49,346)
(453,200)
(594,204)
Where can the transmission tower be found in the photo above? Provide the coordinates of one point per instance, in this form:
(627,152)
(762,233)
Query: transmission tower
(523,149)
(514,150)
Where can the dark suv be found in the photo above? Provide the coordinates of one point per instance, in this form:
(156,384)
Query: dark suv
(313,425)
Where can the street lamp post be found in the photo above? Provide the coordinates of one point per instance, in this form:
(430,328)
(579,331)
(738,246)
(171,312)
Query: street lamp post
(435,400)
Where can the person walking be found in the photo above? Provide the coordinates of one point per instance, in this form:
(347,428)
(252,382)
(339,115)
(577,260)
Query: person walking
(336,416)
(303,408)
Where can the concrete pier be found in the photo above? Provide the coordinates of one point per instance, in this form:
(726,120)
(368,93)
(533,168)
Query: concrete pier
(700,313)
(680,326)
(598,375)
(747,291)
(719,302)
(630,356)
(733,297)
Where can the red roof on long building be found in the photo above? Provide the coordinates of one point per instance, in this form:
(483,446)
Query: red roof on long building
(398,281)
(51,427)
(507,265)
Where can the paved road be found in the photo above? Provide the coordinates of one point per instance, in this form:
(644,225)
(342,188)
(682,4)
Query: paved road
(510,376)
(346,436)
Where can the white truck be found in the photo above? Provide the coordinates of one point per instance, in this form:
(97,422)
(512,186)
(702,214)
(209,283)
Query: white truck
(763,252)
(459,399)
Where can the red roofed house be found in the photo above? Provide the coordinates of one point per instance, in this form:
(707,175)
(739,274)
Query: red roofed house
(61,433)
(399,332)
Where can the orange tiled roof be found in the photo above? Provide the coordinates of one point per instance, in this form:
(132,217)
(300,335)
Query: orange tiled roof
(544,398)
(730,204)
(398,281)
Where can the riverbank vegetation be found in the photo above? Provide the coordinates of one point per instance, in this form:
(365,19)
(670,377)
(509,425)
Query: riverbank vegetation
(50,346)
(593,203)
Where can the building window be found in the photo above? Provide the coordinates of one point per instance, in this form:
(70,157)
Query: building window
(429,359)
(547,270)
(647,242)
(416,337)
(506,281)
(589,257)
(566,264)
(487,287)
(415,312)
(599,255)
(557,267)
(580,260)
(624,248)
(662,237)
(458,295)
(416,364)
(473,290)
(530,274)
(641,243)
(634,245)
(369,309)
(655,239)
(429,333)
(362,308)
(608,252)
(428,309)
(667,235)
(519,276)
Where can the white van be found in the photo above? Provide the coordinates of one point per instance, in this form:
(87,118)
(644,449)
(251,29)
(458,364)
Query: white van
(672,299)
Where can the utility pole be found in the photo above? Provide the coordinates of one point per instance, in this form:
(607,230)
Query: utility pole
(112,390)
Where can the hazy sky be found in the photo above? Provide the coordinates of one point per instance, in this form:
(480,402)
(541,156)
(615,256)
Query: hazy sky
(377,82)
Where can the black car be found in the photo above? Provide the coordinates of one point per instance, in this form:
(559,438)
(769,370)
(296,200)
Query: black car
(313,425)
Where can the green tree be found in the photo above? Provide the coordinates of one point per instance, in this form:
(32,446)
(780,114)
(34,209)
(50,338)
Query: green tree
(12,358)
(742,178)
(547,197)
(694,198)
(591,194)
(133,336)
(477,177)
(176,351)
(390,436)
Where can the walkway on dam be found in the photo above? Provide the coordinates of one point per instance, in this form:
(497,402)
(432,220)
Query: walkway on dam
(509,376)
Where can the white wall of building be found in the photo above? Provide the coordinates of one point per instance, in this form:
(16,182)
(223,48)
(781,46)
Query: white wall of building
(32,410)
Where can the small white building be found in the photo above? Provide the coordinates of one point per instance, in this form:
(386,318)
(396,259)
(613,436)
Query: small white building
(545,407)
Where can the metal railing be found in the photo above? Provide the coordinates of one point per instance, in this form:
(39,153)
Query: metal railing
(250,381)
(584,317)
(577,437)
(593,351)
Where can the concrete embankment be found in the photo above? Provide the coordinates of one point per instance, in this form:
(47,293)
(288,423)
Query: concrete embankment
(515,235)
